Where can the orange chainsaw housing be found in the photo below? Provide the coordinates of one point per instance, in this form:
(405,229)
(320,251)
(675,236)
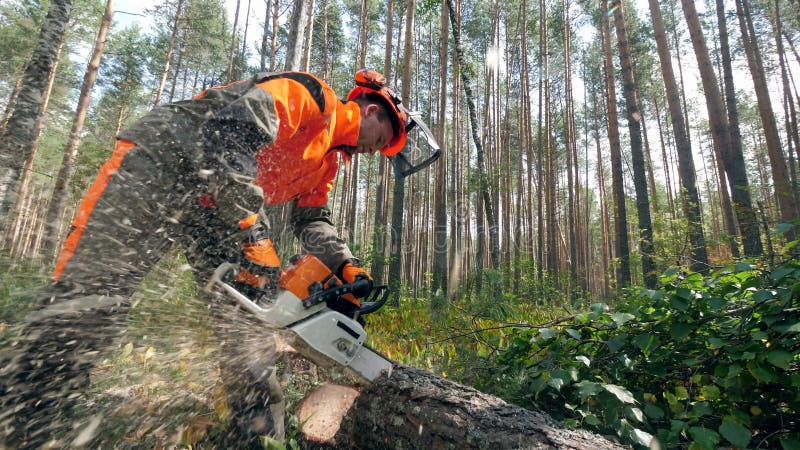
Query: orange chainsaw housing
(306,275)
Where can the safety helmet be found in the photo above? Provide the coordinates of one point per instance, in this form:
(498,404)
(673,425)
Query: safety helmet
(372,83)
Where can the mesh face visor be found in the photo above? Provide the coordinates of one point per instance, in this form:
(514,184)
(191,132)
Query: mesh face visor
(421,149)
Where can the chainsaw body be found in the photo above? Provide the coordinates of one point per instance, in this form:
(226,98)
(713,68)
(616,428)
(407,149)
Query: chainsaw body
(300,313)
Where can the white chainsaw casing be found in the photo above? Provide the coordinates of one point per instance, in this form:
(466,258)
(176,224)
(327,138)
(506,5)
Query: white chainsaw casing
(330,336)
(318,333)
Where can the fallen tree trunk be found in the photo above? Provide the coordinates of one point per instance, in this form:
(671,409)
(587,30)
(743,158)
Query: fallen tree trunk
(412,408)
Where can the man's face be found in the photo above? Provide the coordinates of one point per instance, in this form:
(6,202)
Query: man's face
(375,133)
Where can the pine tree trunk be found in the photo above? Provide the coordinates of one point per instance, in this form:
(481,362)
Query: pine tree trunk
(601,186)
(17,214)
(353,169)
(690,200)
(168,58)
(57,202)
(637,155)
(458,208)
(274,43)
(651,178)
(309,37)
(294,46)
(396,248)
(570,142)
(733,117)
(494,241)
(177,69)
(733,159)
(17,139)
(242,54)
(623,270)
(232,49)
(263,57)
(527,135)
(382,184)
(12,100)
(789,110)
(439,280)
(549,176)
(325,45)
(540,239)
(415,409)
(780,176)
(664,159)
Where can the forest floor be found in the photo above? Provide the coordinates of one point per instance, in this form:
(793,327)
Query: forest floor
(158,385)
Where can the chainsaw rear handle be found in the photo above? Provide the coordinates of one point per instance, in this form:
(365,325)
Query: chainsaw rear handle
(378,295)
(376,300)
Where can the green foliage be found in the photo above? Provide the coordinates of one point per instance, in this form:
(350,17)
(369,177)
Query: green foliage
(18,283)
(19,21)
(700,362)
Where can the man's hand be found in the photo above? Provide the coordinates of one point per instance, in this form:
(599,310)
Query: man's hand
(352,273)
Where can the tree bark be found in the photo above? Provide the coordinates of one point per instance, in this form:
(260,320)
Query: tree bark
(309,37)
(232,50)
(601,187)
(353,167)
(780,176)
(571,163)
(178,66)
(494,239)
(542,54)
(263,55)
(690,201)
(664,159)
(168,58)
(382,184)
(273,46)
(294,46)
(12,100)
(57,202)
(416,409)
(16,141)
(623,270)
(637,155)
(242,55)
(17,212)
(733,119)
(720,131)
(398,188)
(789,110)
(439,281)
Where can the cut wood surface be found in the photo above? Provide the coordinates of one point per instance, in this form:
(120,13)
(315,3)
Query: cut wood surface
(321,412)
(412,408)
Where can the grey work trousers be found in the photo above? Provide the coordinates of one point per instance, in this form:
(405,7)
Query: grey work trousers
(150,204)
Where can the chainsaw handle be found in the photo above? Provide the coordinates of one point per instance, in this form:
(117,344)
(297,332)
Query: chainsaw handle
(376,300)
(378,295)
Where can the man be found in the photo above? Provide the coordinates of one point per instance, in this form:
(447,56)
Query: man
(195,173)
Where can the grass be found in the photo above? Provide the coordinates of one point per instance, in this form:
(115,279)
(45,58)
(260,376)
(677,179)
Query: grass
(159,386)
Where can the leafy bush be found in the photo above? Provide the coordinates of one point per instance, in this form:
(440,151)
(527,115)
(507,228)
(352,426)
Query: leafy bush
(702,362)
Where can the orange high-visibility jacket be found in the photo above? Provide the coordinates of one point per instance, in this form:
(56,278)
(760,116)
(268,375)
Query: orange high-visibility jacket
(285,128)
(299,164)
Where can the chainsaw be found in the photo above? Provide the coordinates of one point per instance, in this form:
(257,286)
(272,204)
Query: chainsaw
(300,313)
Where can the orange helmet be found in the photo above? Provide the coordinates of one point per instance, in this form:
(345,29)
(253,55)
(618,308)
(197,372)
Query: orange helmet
(371,82)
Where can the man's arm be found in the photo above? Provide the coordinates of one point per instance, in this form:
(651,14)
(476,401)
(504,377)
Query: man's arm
(314,229)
